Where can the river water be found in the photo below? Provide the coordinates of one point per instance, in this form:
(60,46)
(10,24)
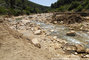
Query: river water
(60,31)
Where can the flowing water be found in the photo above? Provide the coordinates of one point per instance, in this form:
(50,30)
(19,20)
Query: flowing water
(60,31)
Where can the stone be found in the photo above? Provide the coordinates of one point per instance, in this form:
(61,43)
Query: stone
(52,30)
(69,47)
(38,32)
(55,22)
(87,50)
(80,48)
(75,53)
(55,37)
(87,56)
(61,22)
(35,41)
(71,33)
(1,20)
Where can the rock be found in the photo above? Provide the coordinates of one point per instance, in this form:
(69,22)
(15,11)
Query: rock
(69,47)
(87,56)
(52,30)
(55,22)
(38,32)
(61,22)
(35,41)
(55,37)
(57,46)
(71,33)
(87,50)
(1,20)
(80,48)
(75,53)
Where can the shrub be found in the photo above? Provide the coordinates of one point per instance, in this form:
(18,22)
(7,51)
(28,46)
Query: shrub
(73,5)
(14,12)
(3,10)
(79,8)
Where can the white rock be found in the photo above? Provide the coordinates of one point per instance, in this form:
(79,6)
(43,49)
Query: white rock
(55,22)
(35,41)
(52,30)
(55,37)
(38,32)
(87,56)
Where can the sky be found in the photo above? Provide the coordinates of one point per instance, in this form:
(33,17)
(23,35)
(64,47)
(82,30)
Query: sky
(44,2)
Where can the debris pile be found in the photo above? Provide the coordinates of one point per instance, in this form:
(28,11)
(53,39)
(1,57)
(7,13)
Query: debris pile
(68,18)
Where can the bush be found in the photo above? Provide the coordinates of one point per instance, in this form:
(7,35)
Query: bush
(14,12)
(26,12)
(73,5)
(79,8)
(3,10)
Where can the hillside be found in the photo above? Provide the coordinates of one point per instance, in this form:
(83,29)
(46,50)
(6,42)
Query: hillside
(71,5)
(17,7)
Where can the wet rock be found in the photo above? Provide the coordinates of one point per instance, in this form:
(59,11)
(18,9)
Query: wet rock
(80,48)
(71,33)
(87,50)
(35,41)
(38,32)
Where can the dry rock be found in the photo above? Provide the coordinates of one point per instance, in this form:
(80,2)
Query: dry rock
(87,50)
(80,48)
(69,47)
(35,41)
(38,32)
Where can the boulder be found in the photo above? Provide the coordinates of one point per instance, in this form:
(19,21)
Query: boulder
(37,32)
(80,48)
(71,33)
(35,41)
(69,47)
(87,50)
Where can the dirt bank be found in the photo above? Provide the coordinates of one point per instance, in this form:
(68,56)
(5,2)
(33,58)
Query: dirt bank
(22,38)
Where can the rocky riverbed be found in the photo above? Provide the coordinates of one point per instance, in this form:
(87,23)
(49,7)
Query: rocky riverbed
(60,40)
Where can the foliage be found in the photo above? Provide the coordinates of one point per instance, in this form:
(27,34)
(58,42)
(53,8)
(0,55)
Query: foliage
(72,5)
(18,7)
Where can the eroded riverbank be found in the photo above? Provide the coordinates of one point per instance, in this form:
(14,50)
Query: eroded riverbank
(52,37)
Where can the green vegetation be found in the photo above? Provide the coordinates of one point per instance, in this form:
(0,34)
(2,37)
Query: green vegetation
(19,7)
(71,5)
